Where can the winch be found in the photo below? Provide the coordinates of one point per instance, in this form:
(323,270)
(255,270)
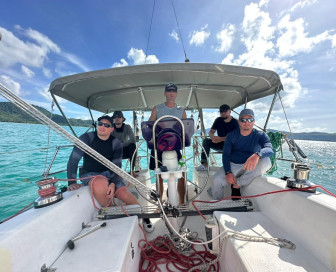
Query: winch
(47,193)
(301,177)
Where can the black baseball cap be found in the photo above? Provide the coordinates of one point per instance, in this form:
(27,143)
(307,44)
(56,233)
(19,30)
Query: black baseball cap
(171,87)
(224,108)
(106,117)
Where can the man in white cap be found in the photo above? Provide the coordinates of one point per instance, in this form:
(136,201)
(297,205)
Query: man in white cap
(245,156)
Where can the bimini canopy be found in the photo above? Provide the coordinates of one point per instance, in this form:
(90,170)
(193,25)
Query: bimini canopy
(141,87)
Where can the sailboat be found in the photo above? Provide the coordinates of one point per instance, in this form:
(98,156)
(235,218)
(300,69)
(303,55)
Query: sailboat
(273,227)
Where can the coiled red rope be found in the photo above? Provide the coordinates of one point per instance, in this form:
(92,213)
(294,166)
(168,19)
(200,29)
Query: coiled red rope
(162,251)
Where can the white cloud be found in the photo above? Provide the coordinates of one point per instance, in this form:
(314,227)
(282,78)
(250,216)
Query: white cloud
(122,62)
(12,85)
(258,34)
(46,94)
(225,38)
(32,52)
(41,39)
(174,35)
(47,73)
(295,40)
(29,73)
(302,4)
(139,57)
(257,29)
(199,37)
(75,60)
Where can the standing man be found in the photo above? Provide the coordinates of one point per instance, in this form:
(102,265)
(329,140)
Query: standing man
(105,182)
(125,135)
(223,125)
(168,108)
(246,154)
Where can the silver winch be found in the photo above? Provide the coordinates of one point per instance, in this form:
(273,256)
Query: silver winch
(47,193)
(301,177)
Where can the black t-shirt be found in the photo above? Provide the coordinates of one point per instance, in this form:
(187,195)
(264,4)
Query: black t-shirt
(102,147)
(224,128)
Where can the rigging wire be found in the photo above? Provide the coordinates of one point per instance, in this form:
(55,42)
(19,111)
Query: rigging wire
(46,159)
(178,26)
(150,30)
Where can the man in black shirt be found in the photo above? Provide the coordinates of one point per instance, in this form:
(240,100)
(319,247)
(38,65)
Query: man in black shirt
(223,125)
(105,184)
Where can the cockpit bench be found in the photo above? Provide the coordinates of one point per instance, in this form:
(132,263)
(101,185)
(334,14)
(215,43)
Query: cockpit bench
(111,248)
(239,255)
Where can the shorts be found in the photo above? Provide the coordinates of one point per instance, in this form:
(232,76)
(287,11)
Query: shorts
(118,181)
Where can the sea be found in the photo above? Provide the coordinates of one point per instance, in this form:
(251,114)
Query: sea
(27,149)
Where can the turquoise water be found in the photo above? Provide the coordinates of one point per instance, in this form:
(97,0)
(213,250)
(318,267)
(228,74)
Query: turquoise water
(22,157)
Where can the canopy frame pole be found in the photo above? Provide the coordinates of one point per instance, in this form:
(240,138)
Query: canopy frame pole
(271,108)
(63,114)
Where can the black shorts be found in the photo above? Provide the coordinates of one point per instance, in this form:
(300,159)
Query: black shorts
(159,156)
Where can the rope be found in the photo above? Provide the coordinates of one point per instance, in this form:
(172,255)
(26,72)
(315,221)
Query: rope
(162,251)
(150,30)
(276,140)
(178,26)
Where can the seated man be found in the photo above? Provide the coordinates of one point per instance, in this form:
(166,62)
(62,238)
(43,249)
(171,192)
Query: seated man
(125,135)
(105,182)
(245,156)
(223,125)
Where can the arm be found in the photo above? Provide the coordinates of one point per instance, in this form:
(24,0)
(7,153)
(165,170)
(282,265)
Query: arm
(266,147)
(129,136)
(74,159)
(184,115)
(215,139)
(265,151)
(226,161)
(153,115)
(116,155)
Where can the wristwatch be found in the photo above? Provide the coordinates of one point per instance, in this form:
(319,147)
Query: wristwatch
(228,172)
(258,154)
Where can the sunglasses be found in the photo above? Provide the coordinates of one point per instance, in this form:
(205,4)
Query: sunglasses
(104,124)
(171,90)
(244,120)
(117,116)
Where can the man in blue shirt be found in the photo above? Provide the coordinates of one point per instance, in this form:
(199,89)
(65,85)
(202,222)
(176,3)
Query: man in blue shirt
(245,156)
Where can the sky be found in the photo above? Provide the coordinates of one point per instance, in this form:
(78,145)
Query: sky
(46,39)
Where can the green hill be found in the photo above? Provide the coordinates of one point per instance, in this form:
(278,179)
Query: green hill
(11,113)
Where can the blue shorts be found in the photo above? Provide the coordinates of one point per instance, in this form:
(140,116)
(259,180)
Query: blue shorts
(118,181)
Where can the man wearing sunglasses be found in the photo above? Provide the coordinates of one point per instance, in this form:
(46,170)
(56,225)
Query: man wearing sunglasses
(223,125)
(245,156)
(105,184)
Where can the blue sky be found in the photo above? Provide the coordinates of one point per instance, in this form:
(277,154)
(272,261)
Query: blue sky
(43,40)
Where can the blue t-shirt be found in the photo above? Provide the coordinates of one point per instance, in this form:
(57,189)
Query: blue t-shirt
(238,148)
